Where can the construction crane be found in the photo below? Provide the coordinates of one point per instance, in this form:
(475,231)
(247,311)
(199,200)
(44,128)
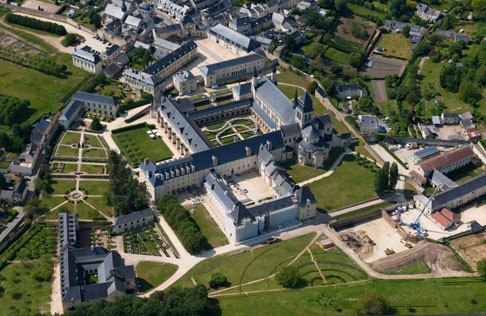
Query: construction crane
(416,223)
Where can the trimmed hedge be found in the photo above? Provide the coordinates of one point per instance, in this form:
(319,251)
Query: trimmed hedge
(36,24)
(132,127)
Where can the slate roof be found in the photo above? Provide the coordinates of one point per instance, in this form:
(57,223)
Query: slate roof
(438,178)
(183,76)
(234,37)
(242,89)
(274,99)
(170,58)
(38,130)
(212,68)
(346,90)
(124,219)
(94,98)
(87,54)
(196,140)
(474,184)
(291,130)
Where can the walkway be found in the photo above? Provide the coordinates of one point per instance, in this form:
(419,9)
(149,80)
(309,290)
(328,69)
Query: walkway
(330,172)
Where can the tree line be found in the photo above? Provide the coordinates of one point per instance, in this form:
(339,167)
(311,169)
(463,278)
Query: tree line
(36,62)
(36,24)
(181,221)
(386,178)
(174,302)
(127,195)
(13,110)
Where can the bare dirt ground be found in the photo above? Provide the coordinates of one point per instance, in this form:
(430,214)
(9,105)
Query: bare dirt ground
(383,67)
(438,258)
(472,247)
(45,6)
(344,29)
(378,87)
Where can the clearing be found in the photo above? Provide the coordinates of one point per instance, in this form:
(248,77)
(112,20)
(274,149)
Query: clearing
(152,274)
(395,45)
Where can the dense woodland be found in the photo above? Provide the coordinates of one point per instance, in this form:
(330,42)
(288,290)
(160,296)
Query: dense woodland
(127,194)
(36,24)
(181,221)
(13,112)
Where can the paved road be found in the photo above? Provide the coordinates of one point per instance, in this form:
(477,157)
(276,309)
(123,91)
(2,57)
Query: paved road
(20,216)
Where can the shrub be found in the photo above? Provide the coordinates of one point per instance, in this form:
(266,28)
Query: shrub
(36,24)
(288,277)
(372,303)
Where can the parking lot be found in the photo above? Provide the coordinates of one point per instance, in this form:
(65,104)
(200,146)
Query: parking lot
(383,67)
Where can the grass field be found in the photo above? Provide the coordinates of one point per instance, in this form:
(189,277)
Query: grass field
(209,228)
(364,12)
(338,56)
(301,173)
(86,212)
(350,183)
(53,201)
(63,167)
(24,295)
(61,186)
(45,93)
(136,145)
(67,207)
(70,138)
(430,82)
(95,187)
(152,274)
(95,153)
(363,211)
(244,267)
(92,140)
(395,45)
(92,169)
(419,267)
(289,76)
(431,296)
(100,204)
(66,151)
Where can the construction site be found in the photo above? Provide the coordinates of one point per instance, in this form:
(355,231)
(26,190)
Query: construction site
(396,236)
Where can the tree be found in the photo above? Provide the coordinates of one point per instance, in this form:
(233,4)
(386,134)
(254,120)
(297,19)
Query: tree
(3,183)
(380,182)
(481,266)
(96,21)
(406,31)
(393,175)
(217,279)
(365,104)
(372,303)
(469,92)
(311,87)
(288,277)
(386,174)
(356,59)
(69,39)
(95,124)
(450,78)
(479,9)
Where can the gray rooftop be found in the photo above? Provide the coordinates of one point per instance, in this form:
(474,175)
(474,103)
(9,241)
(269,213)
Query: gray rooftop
(212,68)
(234,37)
(140,215)
(273,98)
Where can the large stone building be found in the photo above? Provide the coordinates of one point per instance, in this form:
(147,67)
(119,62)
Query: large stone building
(184,82)
(233,69)
(133,221)
(231,40)
(174,61)
(87,102)
(87,59)
(139,80)
(89,274)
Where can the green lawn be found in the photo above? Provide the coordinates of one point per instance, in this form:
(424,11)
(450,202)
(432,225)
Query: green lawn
(60,186)
(292,77)
(63,167)
(338,56)
(87,212)
(240,268)
(94,153)
(24,295)
(95,187)
(466,173)
(152,274)
(93,169)
(430,82)
(209,228)
(350,183)
(66,151)
(430,296)
(363,211)
(46,93)
(67,207)
(364,12)
(92,140)
(289,91)
(419,267)
(100,204)
(53,201)
(70,138)
(301,173)
(136,145)
(395,45)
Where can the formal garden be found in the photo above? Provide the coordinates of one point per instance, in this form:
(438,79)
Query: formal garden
(145,242)
(230,131)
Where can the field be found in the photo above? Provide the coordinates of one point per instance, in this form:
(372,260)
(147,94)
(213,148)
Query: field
(136,145)
(46,93)
(344,29)
(430,82)
(240,268)
(338,56)
(362,11)
(152,274)
(94,187)
(350,183)
(95,153)
(419,267)
(66,152)
(472,247)
(395,45)
(209,228)
(70,138)
(430,296)
(99,203)
(87,212)
(363,211)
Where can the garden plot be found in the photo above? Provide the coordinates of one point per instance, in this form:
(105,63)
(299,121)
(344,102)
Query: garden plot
(147,242)
(233,130)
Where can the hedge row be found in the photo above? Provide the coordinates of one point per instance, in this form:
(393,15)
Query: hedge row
(132,127)
(36,24)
